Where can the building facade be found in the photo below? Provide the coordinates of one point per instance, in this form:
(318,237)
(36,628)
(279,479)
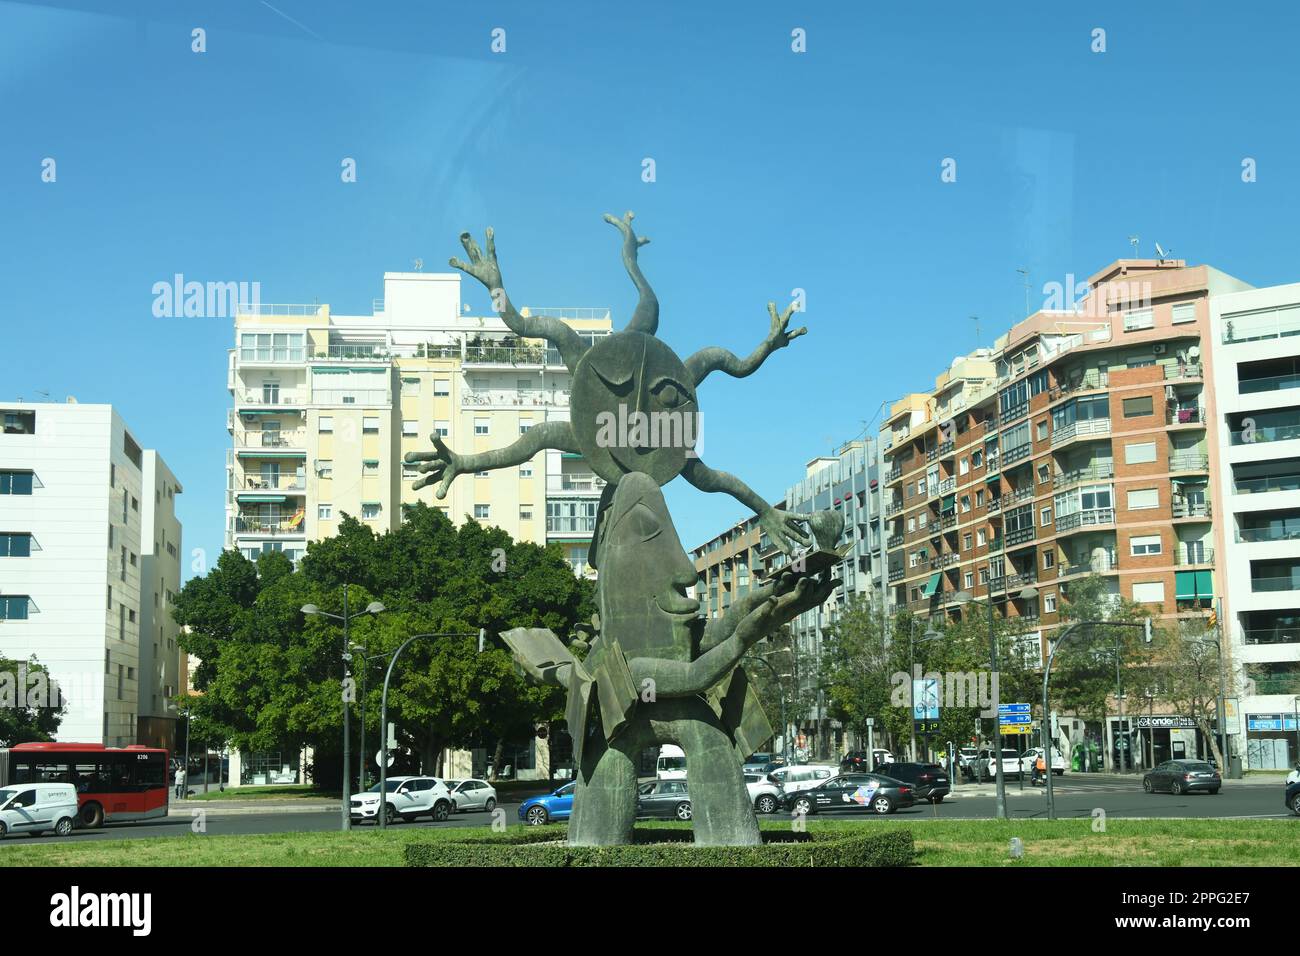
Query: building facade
(89,566)
(1256,343)
(1082,443)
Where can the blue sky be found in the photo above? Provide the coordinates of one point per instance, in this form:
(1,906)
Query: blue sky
(775,171)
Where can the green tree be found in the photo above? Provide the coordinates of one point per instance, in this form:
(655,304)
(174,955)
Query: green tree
(1184,671)
(31,702)
(271,676)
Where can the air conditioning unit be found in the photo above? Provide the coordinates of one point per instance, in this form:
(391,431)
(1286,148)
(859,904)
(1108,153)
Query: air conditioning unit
(1159,348)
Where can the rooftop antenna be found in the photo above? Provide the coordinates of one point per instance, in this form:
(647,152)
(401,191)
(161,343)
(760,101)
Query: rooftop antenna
(1024,271)
(976,320)
(419,264)
(41,391)
(1133,241)
(1161,253)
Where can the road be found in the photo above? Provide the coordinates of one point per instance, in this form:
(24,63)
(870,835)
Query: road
(1076,798)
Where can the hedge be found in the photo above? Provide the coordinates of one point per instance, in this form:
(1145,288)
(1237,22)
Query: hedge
(671,848)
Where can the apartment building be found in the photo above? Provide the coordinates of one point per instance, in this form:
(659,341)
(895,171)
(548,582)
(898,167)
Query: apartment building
(1256,344)
(1080,444)
(89,567)
(326,406)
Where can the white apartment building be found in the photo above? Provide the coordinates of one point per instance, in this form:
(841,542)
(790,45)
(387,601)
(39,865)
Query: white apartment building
(326,406)
(1256,342)
(89,565)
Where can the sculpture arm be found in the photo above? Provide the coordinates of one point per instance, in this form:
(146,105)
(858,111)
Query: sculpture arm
(715,358)
(783,526)
(445,464)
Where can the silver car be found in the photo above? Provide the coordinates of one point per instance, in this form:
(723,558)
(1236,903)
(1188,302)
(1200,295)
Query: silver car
(472,795)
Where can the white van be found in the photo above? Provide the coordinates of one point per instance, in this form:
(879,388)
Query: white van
(37,807)
(671,764)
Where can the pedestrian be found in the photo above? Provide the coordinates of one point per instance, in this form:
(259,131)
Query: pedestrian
(180,782)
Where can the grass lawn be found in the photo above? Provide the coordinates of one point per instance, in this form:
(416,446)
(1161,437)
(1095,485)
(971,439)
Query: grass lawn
(939,843)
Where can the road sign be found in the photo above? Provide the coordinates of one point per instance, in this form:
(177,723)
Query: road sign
(379,757)
(1013,709)
(1013,729)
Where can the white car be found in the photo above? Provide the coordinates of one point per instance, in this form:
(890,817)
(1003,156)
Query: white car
(36,807)
(763,793)
(984,767)
(802,776)
(1029,756)
(407,799)
(472,795)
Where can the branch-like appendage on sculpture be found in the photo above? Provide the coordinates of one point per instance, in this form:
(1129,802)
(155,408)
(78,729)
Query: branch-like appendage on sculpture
(783,526)
(715,358)
(783,601)
(445,464)
(486,269)
(646,317)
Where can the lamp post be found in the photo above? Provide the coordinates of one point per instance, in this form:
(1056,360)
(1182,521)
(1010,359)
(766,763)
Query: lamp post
(1047,673)
(383,717)
(185,790)
(374,607)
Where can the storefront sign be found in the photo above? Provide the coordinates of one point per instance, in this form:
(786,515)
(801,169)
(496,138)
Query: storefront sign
(1160,722)
(1270,722)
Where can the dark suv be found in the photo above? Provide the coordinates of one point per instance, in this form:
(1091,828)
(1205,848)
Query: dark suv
(929,780)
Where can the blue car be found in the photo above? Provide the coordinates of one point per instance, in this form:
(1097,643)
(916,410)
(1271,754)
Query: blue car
(536,811)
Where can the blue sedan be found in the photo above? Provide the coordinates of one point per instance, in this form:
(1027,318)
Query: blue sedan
(536,811)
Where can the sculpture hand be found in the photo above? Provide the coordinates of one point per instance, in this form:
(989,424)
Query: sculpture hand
(442,463)
(784,528)
(794,596)
(624,226)
(480,266)
(778,337)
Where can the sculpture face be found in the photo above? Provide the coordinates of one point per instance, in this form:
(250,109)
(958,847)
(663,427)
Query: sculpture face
(634,408)
(644,573)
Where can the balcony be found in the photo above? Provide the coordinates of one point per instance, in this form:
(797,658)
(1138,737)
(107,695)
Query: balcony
(486,353)
(274,483)
(1100,563)
(1184,415)
(1270,533)
(269,439)
(1088,428)
(1188,462)
(279,524)
(1194,555)
(1191,509)
(516,397)
(1080,475)
(1091,380)
(570,525)
(1013,455)
(992,465)
(1021,580)
(896,574)
(1011,414)
(252,398)
(893,509)
(575,481)
(948,521)
(1020,494)
(1279,634)
(947,485)
(1188,370)
(893,541)
(894,474)
(944,561)
(1265,433)
(995,505)
(1019,536)
(1275,584)
(1268,383)
(1084,519)
(1260,486)
(1256,326)
(995,546)
(939,451)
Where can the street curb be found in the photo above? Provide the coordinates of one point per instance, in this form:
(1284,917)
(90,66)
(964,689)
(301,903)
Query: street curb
(187,809)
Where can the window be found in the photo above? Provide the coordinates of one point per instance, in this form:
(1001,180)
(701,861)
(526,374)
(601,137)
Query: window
(1045,517)
(482,511)
(1184,312)
(1149,592)
(325,512)
(1139,453)
(370,466)
(981,537)
(1143,498)
(326,424)
(526,470)
(410,470)
(14,607)
(1144,544)
(922,518)
(525,512)
(370,424)
(325,468)
(1049,559)
(410,387)
(525,424)
(482,474)
(1139,319)
(442,429)
(911,524)
(15,545)
(984,575)
(966,541)
(482,426)
(976,459)
(15,482)
(410,429)
(1137,407)
(963,466)
(441,387)
(979,498)
(1042,430)
(135,503)
(19,422)
(369,510)
(965,503)
(1049,602)
(968,580)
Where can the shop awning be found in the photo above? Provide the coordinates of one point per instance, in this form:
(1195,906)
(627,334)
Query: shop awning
(1204,584)
(929,588)
(949,502)
(274,499)
(272,453)
(1185,585)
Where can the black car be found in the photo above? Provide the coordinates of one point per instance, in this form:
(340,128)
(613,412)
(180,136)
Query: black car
(663,800)
(929,780)
(1293,797)
(853,793)
(1182,776)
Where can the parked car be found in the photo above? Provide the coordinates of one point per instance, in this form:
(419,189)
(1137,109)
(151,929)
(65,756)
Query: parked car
(1182,776)
(1032,754)
(472,795)
(549,807)
(765,795)
(663,800)
(1293,776)
(760,763)
(801,777)
(984,766)
(965,756)
(408,798)
(1293,796)
(36,807)
(929,780)
(853,793)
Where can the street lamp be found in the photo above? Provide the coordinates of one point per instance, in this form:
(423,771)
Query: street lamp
(374,607)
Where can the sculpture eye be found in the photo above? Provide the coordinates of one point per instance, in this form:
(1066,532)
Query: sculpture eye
(644,522)
(670,394)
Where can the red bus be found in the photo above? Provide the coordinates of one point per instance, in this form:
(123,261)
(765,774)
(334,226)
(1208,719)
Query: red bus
(114,784)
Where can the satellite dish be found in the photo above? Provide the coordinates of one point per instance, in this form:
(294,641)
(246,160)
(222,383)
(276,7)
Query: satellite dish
(1160,252)
(1193,353)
